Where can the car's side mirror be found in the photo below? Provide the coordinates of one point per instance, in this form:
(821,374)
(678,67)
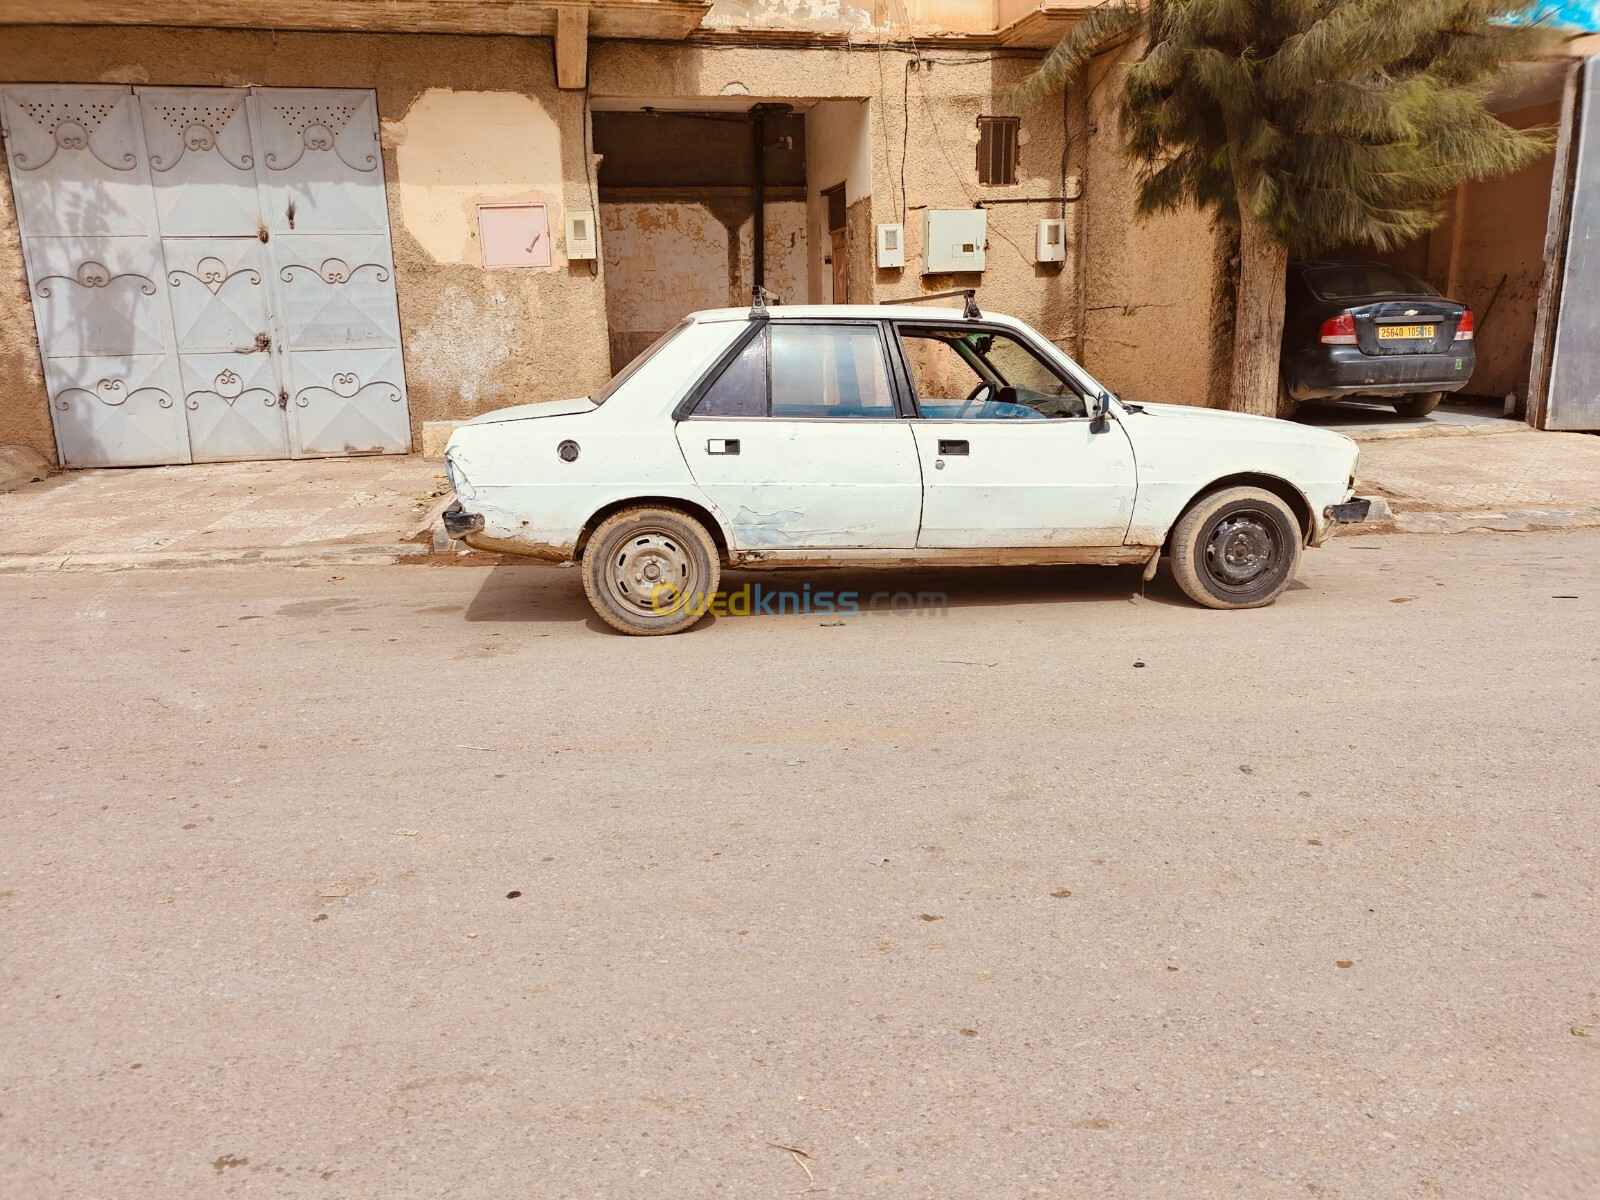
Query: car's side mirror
(1101,411)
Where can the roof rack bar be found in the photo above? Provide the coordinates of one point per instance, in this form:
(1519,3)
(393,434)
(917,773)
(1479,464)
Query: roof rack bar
(758,302)
(969,310)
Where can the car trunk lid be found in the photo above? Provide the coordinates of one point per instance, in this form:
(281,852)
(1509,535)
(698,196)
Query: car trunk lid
(1402,326)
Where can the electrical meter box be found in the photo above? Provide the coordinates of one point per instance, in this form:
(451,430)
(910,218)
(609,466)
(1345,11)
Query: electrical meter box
(952,239)
(580,235)
(891,246)
(1052,241)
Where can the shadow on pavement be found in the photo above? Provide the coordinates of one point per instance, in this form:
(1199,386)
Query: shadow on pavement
(517,592)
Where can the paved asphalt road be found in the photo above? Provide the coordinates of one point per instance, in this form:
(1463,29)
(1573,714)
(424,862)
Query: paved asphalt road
(416,882)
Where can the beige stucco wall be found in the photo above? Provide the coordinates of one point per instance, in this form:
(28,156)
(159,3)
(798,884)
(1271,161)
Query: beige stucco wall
(1155,319)
(464,119)
(455,150)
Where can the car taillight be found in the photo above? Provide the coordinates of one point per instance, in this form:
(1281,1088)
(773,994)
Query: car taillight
(1341,331)
(1467,327)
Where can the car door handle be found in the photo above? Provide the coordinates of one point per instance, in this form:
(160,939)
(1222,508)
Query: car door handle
(952,448)
(722,446)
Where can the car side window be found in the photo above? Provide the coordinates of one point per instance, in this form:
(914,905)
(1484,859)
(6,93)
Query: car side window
(985,375)
(829,371)
(800,371)
(741,389)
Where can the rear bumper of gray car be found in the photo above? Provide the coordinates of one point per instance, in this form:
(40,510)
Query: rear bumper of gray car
(1329,372)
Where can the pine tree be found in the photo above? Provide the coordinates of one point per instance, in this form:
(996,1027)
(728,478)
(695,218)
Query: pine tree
(1306,125)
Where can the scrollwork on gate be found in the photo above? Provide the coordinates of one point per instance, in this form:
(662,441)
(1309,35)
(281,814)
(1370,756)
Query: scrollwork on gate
(347,385)
(71,125)
(211,274)
(113,393)
(199,126)
(335,270)
(229,388)
(92,274)
(319,127)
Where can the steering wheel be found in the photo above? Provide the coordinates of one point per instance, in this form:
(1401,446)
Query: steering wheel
(973,395)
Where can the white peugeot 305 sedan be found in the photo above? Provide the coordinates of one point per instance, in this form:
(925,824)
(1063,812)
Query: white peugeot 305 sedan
(838,435)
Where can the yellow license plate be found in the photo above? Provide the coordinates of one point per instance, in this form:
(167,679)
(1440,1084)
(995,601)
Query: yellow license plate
(1398,333)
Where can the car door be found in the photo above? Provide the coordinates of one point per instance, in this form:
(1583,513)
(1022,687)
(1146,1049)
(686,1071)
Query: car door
(1009,454)
(798,439)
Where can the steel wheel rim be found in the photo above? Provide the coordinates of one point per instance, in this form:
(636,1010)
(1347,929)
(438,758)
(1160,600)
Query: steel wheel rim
(1242,550)
(648,562)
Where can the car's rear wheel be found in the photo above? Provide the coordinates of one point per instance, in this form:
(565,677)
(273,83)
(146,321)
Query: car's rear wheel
(1419,404)
(1236,548)
(650,570)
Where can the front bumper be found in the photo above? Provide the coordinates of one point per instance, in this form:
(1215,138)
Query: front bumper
(1351,512)
(458,523)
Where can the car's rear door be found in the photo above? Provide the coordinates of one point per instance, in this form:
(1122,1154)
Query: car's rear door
(798,439)
(1010,456)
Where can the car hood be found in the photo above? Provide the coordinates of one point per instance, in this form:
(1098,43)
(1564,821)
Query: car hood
(544,408)
(1218,423)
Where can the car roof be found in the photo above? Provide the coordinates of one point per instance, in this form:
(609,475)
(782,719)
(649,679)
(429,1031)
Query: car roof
(852,312)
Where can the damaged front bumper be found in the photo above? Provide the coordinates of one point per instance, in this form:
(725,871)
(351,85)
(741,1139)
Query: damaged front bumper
(1351,512)
(458,523)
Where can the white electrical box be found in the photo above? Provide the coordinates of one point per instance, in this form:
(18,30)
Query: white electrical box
(1052,241)
(580,235)
(952,239)
(891,246)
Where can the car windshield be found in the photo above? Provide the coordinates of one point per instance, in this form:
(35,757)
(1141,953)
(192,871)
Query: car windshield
(1359,280)
(633,368)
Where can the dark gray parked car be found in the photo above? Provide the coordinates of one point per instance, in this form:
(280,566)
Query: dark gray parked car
(1370,330)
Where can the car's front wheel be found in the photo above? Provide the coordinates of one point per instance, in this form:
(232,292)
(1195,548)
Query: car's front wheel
(1236,548)
(1419,404)
(650,570)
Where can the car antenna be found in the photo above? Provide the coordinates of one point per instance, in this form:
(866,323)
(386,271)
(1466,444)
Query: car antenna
(758,302)
(969,310)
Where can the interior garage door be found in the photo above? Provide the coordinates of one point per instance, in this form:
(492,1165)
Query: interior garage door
(211,271)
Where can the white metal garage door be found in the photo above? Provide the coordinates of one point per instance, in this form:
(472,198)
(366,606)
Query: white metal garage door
(211,271)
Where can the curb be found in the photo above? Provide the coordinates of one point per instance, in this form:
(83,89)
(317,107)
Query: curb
(1513,520)
(1384,519)
(157,560)
(1406,433)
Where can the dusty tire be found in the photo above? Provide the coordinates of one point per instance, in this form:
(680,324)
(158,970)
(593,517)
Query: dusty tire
(1418,405)
(1237,548)
(637,553)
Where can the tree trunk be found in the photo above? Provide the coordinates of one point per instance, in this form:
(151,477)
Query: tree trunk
(1258,317)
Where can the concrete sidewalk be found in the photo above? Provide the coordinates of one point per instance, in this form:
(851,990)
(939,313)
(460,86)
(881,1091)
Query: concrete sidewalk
(1519,481)
(328,510)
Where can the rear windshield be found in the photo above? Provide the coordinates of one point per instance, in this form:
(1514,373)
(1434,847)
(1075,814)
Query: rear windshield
(1365,279)
(632,369)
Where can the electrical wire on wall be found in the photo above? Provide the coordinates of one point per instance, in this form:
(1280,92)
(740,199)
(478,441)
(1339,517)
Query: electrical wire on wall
(588,179)
(905,133)
(921,62)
